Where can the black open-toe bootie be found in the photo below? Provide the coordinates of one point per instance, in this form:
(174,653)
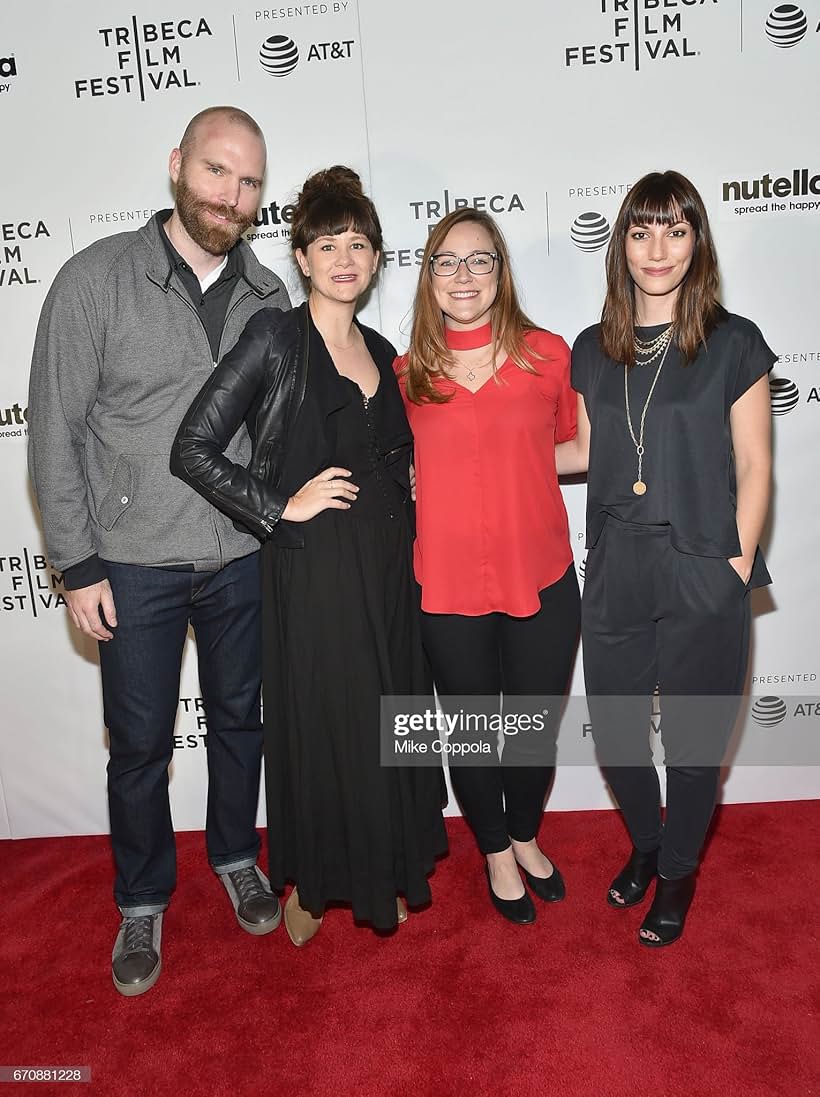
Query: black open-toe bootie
(667,915)
(632,882)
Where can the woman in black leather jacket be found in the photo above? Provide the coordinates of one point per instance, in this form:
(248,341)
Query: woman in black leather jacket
(327,490)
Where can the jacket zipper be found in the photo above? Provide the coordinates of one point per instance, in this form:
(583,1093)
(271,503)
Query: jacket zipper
(228,315)
(299,399)
(265,525)
(189,305)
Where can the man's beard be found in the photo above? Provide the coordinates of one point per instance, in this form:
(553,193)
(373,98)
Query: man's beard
(211,237)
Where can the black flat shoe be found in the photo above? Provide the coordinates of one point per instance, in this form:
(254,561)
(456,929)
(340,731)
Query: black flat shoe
(521,911)
(667,915)
(632,882)
(550,889)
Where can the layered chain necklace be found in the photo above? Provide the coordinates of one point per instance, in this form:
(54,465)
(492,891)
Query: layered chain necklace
(649,349)
(646,351)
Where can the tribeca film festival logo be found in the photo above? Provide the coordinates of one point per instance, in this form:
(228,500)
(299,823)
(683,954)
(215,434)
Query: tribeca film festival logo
(640,32)
(147,58)
(279,55)
(15,239)
(431,210)
(194,730)
(29,584)
(8,70)
(14,422)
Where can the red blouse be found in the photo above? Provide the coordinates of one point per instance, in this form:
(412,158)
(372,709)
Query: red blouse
(492,529)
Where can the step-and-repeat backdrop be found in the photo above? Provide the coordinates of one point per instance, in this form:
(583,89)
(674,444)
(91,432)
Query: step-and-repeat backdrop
(541,113)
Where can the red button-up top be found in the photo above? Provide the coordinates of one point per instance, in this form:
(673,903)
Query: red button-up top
(492,528)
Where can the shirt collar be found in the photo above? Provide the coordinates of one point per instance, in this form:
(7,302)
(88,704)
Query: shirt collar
(232,263)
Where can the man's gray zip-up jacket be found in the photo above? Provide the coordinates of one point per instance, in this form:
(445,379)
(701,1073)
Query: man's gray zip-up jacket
(119,356)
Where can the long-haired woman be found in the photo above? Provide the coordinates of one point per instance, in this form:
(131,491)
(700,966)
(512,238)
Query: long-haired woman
(676,391)
(327,491)
(488,397)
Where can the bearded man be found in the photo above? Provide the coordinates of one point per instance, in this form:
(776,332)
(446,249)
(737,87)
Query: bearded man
(129,332)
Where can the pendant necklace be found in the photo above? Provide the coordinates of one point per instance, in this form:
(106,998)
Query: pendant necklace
(471,339)
(471,370)
(639,487)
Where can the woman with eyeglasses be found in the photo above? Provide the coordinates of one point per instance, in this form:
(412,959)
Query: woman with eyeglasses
(677,392)
(488,398)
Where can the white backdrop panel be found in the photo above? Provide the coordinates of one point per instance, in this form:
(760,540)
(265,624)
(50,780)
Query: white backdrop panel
(542,113)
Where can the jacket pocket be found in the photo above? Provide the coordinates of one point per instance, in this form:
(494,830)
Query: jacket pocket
(119,496)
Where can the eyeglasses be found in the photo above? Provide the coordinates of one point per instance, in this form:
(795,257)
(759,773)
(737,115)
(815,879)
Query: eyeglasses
(477,262)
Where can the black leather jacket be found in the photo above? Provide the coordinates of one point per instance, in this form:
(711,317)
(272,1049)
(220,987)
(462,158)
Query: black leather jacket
(263,381)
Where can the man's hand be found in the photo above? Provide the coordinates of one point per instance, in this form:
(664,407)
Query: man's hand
(85,604)
(413,482)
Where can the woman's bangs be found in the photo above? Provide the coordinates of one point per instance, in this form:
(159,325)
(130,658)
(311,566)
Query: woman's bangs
(332,218)
(658,203)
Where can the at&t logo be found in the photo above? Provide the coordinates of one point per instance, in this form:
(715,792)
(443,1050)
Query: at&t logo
(148,58)
(786,25)
(785,395)
(590,231)
(279,54)
(768,712)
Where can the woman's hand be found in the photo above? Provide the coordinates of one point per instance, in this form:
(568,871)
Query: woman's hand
(330,490)
(750,422)
(743,567)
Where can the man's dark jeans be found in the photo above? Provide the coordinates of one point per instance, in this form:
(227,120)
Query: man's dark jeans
(140,675)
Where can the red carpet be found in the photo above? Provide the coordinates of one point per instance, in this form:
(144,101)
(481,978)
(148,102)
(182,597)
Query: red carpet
(457,1002)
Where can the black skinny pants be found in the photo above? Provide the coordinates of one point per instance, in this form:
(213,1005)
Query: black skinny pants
(495,653)
(655,616)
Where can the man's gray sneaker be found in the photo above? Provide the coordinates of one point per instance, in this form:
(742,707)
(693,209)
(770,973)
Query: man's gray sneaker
(137,957)
(257,908)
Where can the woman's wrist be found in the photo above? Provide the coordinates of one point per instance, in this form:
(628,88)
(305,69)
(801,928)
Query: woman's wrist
(743,565)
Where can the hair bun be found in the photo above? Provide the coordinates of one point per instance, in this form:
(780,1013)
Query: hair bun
(338,181)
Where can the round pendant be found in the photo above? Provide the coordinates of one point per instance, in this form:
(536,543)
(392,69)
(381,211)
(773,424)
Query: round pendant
(639,487)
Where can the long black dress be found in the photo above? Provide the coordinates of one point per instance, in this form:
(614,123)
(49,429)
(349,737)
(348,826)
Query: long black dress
(341,629)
